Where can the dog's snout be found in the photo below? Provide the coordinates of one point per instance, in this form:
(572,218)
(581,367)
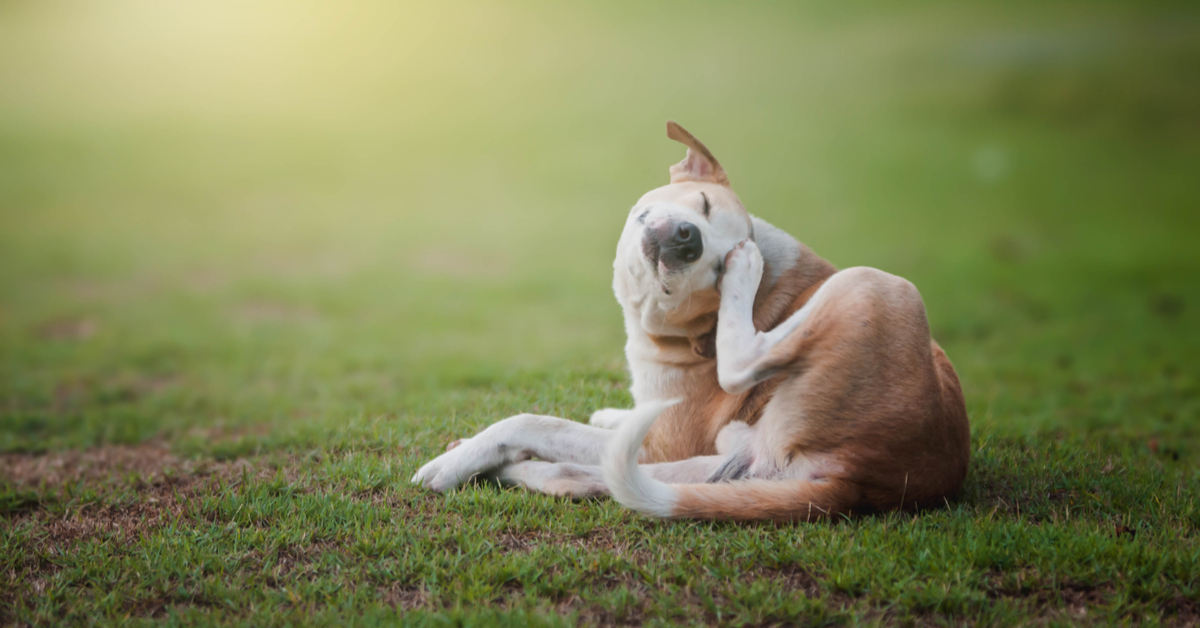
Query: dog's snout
(673,244)
(686,242)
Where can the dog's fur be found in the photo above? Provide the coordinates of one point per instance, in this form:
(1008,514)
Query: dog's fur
(767,384)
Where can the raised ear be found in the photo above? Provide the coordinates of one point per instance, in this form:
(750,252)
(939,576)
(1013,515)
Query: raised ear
(699,165)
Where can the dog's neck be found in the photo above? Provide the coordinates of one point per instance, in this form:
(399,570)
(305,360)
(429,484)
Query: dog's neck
(660,363)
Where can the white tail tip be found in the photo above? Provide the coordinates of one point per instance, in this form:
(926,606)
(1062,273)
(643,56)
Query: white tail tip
(628,484)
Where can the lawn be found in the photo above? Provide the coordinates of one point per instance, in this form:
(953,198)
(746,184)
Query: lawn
(260,261)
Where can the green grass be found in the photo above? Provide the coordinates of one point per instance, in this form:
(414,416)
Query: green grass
(258,262)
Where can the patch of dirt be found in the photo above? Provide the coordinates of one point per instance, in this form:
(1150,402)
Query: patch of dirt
(405,597)
(1077,601)
(149,461)
(1068,591)
(299,561)
(68,329)
(161,503)
(793,578)
(99,464)
(1079,598)
(595,540)
(1182,611)
(164,486)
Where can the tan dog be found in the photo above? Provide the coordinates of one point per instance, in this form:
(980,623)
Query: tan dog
(767,384)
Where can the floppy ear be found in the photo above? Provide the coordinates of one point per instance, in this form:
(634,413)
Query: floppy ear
(699,165)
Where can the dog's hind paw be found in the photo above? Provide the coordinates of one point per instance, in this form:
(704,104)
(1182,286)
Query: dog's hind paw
(743,272)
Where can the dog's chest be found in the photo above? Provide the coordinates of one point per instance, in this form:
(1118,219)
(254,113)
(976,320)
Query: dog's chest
(690,428)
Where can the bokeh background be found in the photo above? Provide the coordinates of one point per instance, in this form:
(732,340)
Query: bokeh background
(294,220)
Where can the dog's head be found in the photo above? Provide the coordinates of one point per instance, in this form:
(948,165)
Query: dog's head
(672,251)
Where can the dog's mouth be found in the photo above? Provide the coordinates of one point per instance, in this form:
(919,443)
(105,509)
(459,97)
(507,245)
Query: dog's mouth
(651,250)
(653,254)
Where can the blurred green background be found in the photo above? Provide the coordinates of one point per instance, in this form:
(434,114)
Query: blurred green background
(311,215)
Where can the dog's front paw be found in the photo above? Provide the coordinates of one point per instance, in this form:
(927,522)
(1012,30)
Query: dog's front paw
(743,272)
(608,418)
(463,460)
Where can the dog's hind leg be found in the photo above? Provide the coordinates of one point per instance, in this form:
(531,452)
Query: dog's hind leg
(746,357)
(563,479)
(577,481)
(739,345)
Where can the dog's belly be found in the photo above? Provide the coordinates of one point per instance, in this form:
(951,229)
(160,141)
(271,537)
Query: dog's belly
(690,428)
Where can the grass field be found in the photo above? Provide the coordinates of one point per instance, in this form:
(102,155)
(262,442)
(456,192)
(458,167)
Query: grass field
(259,261)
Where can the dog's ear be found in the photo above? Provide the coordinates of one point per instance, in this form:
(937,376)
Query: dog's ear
(699,165)
(705,345)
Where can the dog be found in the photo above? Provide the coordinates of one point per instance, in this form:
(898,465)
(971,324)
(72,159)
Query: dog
(767,384)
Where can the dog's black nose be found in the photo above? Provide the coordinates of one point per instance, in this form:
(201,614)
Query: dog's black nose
(685,242)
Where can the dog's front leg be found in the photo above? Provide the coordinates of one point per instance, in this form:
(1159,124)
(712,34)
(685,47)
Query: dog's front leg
(514,439)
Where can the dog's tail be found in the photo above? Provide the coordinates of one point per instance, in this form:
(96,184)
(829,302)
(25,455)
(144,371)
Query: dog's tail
(748,500)
(627,483)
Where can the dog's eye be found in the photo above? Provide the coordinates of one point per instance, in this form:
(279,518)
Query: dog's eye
(707,207)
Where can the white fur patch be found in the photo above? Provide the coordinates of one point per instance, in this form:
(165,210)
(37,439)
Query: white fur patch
(628,483)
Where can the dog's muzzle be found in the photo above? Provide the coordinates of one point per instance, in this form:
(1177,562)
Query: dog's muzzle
(674,244)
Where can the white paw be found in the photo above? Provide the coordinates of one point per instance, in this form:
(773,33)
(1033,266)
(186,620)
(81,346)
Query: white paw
(461,462)
(743,272)
(608,418)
